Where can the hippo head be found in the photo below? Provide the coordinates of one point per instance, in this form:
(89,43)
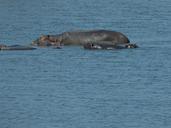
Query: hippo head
(131,46)
(46,40)
(42,41)
(92,46)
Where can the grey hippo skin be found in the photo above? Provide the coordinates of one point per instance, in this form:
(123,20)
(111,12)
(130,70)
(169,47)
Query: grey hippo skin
(108,46)
(82,38)
(15,47)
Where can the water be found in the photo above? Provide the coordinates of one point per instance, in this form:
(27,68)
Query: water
(77,88)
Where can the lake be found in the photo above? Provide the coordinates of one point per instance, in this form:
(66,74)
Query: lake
(77,88)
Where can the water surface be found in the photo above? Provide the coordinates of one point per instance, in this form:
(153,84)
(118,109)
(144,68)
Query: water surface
(77,88)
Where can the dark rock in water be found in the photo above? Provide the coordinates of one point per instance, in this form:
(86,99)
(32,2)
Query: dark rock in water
(16,47)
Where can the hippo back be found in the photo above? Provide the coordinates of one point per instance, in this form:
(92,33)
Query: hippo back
(82,37)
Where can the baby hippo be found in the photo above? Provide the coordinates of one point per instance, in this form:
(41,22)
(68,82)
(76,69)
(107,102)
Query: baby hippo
(108,46)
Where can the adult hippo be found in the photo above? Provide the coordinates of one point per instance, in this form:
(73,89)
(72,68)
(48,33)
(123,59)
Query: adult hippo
(15,47)
(82,38)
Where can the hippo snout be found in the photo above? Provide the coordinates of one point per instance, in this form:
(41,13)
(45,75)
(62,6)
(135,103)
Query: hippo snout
(41,43)
(131,46)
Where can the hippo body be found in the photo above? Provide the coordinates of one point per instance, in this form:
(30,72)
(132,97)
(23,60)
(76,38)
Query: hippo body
(16,47)
(82,37)
(108,46)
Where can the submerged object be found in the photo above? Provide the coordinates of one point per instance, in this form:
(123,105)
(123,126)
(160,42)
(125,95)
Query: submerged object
(108,45)
(15,47)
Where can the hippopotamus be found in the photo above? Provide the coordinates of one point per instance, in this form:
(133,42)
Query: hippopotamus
(82,38)
(108,46)
(15,47)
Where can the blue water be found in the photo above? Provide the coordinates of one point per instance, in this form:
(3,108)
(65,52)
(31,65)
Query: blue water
(77,88)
